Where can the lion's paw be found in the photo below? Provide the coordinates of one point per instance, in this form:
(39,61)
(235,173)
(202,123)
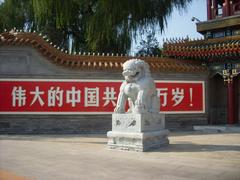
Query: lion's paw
(119,110)
(139,109)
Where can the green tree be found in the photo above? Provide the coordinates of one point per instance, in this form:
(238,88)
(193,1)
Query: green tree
(149,45)
(14,14)
(95,25)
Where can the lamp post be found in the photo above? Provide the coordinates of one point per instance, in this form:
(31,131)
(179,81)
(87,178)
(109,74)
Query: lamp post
(229,72)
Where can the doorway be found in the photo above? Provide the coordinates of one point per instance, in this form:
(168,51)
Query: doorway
(217,100)
(236,86)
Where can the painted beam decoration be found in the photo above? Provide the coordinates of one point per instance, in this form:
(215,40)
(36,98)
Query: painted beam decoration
(53,96)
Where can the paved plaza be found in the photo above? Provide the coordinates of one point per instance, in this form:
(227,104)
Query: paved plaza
(190,155)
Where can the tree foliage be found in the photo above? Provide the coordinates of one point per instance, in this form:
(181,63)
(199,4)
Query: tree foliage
(95,25)
(149,46)
(14,14)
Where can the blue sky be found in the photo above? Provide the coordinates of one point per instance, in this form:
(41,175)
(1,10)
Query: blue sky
(180,24)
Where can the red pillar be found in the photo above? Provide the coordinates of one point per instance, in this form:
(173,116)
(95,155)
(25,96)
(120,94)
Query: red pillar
(214,9)
(230,103)
(227,8)
(209,11)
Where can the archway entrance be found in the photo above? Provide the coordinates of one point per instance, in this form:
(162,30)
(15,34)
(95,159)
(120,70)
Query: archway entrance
(224,100)
(217,100)
(236,86)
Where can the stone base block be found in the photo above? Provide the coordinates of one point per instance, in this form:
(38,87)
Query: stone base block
(138,122)
(138,141)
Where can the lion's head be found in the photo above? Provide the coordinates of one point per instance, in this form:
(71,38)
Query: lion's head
(135,69)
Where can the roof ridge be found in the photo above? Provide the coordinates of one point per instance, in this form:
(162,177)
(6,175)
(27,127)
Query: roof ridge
(89,60)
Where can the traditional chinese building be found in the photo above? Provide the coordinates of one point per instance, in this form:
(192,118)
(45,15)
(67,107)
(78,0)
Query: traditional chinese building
(197,80)
(219,52)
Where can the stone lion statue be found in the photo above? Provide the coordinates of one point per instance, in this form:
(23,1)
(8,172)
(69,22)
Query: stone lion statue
(138,89)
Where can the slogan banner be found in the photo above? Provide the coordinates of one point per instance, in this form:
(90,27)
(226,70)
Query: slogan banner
(45,96)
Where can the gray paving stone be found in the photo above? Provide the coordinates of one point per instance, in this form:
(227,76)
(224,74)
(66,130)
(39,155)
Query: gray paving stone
(190,155)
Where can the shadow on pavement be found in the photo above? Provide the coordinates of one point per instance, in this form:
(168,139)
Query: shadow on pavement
(197,148)
(192,133)
(50,137)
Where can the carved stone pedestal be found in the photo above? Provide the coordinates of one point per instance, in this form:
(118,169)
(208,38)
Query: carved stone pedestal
(138,132)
